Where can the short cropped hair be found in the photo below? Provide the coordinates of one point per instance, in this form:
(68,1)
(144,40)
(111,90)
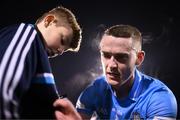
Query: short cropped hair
(126,31)
(67,17)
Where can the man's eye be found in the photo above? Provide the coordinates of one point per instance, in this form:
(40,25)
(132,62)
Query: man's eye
(106,55)
(123,58)
(62,42)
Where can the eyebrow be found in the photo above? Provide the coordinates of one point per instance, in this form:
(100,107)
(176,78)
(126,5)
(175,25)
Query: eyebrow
(114,53)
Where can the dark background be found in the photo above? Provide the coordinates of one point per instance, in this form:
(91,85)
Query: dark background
(158,22)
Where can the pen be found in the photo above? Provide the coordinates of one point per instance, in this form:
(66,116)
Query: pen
(62,96)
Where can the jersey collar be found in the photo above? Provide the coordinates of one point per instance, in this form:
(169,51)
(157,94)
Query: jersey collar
(134,93)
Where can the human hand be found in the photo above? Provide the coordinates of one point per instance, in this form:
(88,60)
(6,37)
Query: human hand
(65,110)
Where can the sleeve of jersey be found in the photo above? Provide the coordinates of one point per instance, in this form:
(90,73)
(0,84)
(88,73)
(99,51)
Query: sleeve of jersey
(37,103)
(87,101)
(162,105)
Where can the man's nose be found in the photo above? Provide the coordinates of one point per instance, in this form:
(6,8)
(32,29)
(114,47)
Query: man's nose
(112,62)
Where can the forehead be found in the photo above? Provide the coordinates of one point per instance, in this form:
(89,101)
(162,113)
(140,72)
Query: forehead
(66,30)
(115,44)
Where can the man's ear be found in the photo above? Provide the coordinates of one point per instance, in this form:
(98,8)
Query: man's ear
(140,57)
(48,19)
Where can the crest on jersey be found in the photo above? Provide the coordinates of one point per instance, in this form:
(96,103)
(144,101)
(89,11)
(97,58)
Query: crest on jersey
(136,116)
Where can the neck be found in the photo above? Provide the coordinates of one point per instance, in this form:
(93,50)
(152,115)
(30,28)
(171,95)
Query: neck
(123,91)
(40,30)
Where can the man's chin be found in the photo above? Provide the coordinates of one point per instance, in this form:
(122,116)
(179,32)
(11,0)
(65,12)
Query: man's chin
(113,82)
(52,56)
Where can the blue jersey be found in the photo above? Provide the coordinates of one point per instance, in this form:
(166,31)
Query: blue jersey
(148,98)
(27,87)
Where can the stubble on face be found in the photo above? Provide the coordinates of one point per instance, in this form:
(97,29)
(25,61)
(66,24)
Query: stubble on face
(117,72)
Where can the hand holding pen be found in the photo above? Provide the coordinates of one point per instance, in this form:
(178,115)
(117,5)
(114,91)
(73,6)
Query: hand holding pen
(65,110)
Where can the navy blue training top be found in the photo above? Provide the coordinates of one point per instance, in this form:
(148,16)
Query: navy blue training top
(27,86)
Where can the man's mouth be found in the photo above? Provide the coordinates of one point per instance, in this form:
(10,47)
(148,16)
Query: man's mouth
(113,74)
